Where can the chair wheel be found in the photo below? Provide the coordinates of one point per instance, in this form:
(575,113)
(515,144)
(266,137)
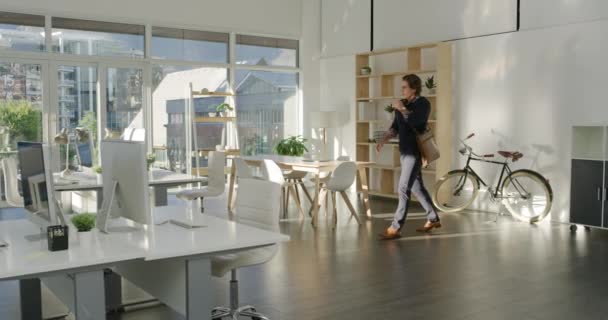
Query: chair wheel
(573,228)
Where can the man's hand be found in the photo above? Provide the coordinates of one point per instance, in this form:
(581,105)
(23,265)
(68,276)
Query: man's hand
(379,146)
(398,105)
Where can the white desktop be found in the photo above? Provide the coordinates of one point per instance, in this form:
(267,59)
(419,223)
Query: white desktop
(125,183)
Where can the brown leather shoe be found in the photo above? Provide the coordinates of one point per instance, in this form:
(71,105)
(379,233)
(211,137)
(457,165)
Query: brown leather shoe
(428,226)
(389,234)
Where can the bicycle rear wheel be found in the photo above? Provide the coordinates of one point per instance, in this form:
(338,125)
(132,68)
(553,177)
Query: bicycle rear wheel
(455,191)
(527,195)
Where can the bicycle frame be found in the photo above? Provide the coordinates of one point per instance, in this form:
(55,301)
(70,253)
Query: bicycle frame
(505,172)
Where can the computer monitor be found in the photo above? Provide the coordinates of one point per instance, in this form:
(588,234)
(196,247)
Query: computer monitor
(36,180)
(125,183)
(85,154)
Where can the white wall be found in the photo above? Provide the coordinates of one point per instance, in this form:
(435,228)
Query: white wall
(346,27)
(275,17)
(517,94)
(310,63)
(338,94)
(399,23)
(545,13)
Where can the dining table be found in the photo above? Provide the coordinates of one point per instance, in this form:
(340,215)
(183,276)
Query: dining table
(314,167)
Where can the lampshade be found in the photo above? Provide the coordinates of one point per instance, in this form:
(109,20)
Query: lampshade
(323,119)
(62,137)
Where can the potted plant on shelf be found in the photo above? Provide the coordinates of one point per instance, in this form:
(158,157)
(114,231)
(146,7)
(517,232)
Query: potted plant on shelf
(223,109)
(366,71)
(211,112)
(430,84)
(84,223)
(292,146)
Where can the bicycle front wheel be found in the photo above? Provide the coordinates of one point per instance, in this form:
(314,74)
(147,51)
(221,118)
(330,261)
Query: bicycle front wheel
(527,195)
(455,191)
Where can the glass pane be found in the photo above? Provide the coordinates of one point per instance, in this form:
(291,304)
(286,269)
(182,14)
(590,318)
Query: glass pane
(21,32)
(178,44)
(124,95)
(85,37)
(266,104)
(263,51)
(170,94)
(20,104)
(77,99)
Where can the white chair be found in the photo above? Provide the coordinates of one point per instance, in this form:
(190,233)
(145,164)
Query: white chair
(216,183)
(341,179)
(11,183)
(272,172)
(325,176)
(260,212)
(243,170)
(297,179)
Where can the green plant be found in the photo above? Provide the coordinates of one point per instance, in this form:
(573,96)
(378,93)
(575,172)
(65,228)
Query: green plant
(84,222)
(292,146)
(367,68)
(430,83)
(21,120)
(150,159)
(389,108)
(223,107)
(97,169)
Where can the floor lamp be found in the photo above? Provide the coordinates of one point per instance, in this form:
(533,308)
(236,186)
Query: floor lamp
(323,120)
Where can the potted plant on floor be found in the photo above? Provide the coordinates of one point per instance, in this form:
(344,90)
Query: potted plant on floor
(223,109)
(430,84)
(292,146)
(84,223)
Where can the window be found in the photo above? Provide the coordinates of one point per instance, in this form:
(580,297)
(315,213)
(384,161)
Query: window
(84,37)
(21,32)
(261,51)
(169,98)
(20,104)
(178,44)
(266,109)
(124,99)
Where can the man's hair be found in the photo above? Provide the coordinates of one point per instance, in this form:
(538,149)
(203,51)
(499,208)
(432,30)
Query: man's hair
(414,82)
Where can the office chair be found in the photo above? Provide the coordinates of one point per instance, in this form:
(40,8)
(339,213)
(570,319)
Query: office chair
(256,211)
(216,183)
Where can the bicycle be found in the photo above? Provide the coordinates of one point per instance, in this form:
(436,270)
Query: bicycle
(525,193)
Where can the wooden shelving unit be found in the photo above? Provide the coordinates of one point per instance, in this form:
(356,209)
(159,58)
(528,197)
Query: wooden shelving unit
(228,121)
(378,89)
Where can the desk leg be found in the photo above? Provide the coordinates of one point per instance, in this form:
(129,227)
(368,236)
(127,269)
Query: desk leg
(198,293)
(99,198)
(30,297)
(315,207)
(160,195)
(231,187)
(364,188)
(89,295)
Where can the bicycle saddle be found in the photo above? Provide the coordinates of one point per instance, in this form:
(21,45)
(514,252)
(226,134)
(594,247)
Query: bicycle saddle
(514,155)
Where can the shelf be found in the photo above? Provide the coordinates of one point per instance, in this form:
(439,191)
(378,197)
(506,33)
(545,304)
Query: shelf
(375,121)
(396,145)
(228,152)
(379,193)
(212,94)
(215,119)
(391,97)
(393,74)
(382,166)
(387,51)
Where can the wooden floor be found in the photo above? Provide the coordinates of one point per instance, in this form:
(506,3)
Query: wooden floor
(471,269)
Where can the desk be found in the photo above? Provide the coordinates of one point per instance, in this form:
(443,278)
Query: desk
(160,179)
(169,262)
(314,167)
(177,267)
(74,275)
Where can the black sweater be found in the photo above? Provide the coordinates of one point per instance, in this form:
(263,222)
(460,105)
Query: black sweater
(402,125)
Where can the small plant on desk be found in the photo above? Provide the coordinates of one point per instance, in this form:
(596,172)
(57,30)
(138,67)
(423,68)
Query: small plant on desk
(150,159)
(430,84)
(97,169)
(84,222)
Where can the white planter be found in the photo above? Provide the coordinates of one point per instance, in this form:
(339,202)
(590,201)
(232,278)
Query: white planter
(389,116)
(85,239)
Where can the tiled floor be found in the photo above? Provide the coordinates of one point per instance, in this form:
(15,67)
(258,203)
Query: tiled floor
(471,269)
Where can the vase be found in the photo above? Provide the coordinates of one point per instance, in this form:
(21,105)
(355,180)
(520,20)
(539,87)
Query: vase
(212,114)
(85,238)
(432,91)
